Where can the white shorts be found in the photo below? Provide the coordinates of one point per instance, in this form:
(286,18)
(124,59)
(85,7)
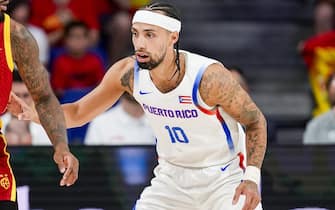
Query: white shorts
(179,188)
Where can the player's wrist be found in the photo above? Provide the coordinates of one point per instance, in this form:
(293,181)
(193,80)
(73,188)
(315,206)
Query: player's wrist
(252,173)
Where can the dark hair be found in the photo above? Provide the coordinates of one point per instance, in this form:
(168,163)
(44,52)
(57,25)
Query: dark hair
(75,24)
(170,11)
(15,4)
(16,76)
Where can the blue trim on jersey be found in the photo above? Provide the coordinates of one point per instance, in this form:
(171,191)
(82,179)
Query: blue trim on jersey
(228,135)
(196,85)
(220,118)
(136,72)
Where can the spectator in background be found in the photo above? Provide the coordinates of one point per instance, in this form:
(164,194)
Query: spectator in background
(321,130)
(116,21)
(38,134)
(324,16)
(319,54)
(20,11)
(18,133)
(126,125)
(53,15)
(77,67)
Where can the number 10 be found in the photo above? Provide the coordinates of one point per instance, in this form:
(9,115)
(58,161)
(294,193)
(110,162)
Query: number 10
(177,134)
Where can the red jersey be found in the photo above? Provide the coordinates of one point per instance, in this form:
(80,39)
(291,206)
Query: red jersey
(7,179)
(6,62)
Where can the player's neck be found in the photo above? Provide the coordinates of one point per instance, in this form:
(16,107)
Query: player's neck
(167,76)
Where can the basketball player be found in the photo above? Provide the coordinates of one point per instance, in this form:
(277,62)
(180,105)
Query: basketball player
(195,108)
(18,46)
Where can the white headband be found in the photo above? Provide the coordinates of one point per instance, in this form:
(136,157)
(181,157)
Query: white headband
(153,18)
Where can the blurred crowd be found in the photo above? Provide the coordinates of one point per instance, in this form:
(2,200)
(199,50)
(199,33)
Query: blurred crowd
(78,40)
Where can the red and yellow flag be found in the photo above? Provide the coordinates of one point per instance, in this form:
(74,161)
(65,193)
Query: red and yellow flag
(319,55)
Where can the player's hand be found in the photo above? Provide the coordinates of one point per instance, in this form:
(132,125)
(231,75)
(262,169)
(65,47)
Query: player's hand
(67,163)
(20,109)
(252,196)
(3,5)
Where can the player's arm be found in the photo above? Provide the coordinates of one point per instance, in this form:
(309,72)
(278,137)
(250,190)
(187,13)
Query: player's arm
(25,55)
(117,80)
(218,88)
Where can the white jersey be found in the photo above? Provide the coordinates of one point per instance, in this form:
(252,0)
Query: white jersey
(189,133)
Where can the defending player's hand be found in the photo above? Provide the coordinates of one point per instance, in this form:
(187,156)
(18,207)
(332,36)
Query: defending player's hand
(20,109)
(252,196)
(67,163)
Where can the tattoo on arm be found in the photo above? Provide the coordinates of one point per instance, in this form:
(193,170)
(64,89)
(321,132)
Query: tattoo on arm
(127,80)
(35,76)
(220,89)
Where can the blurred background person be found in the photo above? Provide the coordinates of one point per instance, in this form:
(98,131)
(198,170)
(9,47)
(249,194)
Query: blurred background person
(38,135)
(321,129)
(18,133)
(125,124)
(53,15)
(20,10)
(115,17)
(77,67)
(324,16)
(318,53)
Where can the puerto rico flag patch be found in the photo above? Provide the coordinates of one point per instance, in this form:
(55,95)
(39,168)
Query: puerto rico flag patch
(185,100)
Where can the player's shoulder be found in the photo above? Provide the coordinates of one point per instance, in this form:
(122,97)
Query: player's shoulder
(124,65)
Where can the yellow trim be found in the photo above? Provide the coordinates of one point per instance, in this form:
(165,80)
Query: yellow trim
(13,193)
(8,48)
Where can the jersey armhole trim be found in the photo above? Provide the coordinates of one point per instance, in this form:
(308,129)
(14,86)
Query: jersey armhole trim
(8,49)
(198,101)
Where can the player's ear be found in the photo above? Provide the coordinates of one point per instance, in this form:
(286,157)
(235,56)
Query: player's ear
(175,37)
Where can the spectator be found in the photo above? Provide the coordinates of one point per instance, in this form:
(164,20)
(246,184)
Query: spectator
(77,67)
(321,129)
(324,16)
(38,135)
(116,17)
(54,15)
(18,133)
(318,53)
(20,11)
(126,126)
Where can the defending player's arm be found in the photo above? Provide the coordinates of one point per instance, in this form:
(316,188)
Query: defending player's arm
(35,76)
(218,88)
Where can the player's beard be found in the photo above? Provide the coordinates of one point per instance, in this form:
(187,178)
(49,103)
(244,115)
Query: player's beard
(151,64)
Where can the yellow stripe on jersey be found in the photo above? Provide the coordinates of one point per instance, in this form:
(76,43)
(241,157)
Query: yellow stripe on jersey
(13,193)
(8,49)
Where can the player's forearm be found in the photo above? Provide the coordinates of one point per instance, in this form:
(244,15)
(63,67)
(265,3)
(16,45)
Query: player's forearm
(72,117)
(52,119)
(256,140)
